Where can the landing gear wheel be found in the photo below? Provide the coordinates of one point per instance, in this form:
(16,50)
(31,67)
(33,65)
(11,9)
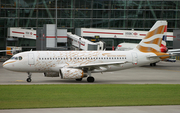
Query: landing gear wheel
(152,64)
(80,79)
(90,79)
(28,79)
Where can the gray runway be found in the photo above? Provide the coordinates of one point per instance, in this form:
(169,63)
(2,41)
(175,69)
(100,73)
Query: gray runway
(163,73)
(126,109)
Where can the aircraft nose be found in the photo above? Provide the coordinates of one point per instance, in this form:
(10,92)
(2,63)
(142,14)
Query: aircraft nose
(7,64)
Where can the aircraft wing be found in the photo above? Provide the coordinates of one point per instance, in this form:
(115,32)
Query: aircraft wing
(97,65)
(5,50)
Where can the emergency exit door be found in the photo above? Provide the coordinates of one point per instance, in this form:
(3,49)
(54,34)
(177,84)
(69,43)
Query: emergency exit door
(134,58)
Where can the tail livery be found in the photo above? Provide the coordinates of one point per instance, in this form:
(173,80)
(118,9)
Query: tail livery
(152,42)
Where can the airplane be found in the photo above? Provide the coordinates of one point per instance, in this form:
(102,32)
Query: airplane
(129,46)
(163,49)
(80,64)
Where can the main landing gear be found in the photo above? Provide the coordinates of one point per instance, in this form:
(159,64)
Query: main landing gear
(89,78)
(29,77)
(152,64)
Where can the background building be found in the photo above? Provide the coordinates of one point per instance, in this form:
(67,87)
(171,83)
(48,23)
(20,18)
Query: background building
(71,14)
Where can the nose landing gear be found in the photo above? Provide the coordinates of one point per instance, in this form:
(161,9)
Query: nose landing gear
(29,77)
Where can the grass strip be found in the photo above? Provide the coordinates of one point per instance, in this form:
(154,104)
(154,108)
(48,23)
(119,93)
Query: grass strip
(91,95)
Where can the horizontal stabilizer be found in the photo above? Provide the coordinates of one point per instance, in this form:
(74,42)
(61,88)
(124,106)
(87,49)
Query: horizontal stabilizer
(163,55)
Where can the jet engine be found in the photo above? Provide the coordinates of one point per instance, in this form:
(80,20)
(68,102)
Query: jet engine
(69,73)
(51,74)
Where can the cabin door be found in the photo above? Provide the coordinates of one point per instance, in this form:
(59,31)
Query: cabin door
(31,59)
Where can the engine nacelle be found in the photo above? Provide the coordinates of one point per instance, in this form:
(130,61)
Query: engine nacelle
(69,73)
(51,74)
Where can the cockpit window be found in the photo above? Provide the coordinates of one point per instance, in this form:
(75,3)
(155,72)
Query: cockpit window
(16,58)
(20,57)
(12,58)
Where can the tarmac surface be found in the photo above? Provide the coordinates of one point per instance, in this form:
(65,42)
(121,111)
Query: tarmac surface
(163,73)
(123,109)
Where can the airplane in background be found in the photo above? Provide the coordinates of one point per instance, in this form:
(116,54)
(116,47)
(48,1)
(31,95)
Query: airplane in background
(163,49)
(80,64)
(130,46)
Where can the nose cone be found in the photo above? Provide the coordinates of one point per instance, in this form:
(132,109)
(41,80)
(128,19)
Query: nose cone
(8,64)
(5,65)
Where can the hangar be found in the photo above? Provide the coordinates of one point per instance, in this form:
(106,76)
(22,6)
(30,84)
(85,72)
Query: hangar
(138,15)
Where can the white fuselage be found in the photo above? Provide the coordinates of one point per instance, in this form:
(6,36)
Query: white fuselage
(53,61)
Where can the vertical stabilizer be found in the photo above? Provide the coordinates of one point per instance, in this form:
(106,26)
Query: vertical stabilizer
(153,39)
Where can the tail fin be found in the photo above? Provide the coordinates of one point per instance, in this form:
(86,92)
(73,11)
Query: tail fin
(163,44)
(153,39)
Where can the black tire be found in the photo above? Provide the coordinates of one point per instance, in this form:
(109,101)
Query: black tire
(28,79)
(80,79)
(90,79)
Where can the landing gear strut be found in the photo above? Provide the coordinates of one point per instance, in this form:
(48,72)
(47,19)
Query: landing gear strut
(29,77)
